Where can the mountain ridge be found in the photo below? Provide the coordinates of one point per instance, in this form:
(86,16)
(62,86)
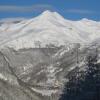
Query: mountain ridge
(48,28)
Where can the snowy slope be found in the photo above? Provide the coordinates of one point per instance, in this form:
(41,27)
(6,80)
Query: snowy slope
(43,70)
(49,27)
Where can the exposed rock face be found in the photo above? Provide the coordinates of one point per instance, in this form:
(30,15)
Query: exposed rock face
(37,73)
(17,82)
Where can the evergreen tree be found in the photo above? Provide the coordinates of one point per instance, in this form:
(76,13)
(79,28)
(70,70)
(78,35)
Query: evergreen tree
(85,85)
(91,87)
(73,88)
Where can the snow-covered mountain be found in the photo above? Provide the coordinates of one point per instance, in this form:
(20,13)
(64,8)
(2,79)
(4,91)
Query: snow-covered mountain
(48,27)
(37,54)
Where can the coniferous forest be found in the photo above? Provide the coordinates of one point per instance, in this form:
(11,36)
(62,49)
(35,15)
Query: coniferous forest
(84,85)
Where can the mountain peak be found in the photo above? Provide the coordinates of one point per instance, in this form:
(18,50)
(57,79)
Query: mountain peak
(85,19)
(49,27)
(47,12)
(50,14)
